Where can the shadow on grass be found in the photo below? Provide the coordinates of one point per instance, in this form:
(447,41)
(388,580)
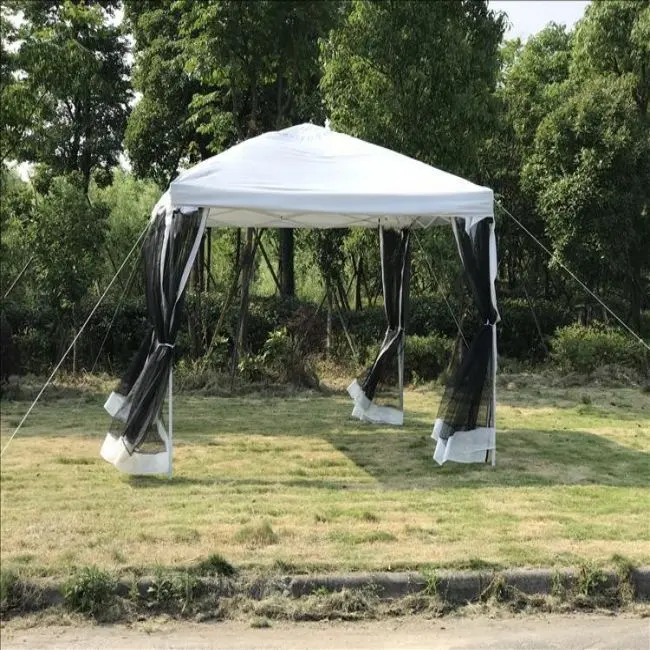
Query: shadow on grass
(266,484)
(403,460)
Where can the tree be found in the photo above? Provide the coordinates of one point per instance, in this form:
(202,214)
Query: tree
(160,134)
(69,91)
(67,265)
(416,77)
(531,75)
(129,202)
(14,97)
(258,64)
(16,212)
(591,164)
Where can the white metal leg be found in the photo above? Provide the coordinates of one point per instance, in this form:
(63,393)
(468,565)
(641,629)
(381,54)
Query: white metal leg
(170,422)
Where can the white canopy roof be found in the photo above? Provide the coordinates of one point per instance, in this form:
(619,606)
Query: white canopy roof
(307,176)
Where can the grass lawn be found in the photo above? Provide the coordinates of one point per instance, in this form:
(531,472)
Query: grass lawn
(294,483)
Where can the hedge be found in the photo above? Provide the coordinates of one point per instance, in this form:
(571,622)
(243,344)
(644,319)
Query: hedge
(584,349)
(33,339)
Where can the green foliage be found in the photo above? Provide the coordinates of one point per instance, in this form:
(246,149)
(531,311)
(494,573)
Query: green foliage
(16,211)
(431,588)
(214,73)
(591,158)
(518,335)
(527,92)
(71,85)
(299,335)
(129,202)
(415,77)
(173,592)
(68,234)
(584,349)
(36,335)
(280,360)
(258,63)
(91,591)
(159,134)
(427,356)
(557,126)
(591,580)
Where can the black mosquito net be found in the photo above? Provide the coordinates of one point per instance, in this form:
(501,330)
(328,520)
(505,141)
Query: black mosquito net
(395,269)
(467,402)
(169,250)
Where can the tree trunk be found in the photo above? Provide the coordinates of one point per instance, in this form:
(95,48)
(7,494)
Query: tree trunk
(237,247)
(635,297)
(241,345)
(287,276)
(328,339)
(342,293)
(209,263)
(74,354)
(202,264)
(358,306)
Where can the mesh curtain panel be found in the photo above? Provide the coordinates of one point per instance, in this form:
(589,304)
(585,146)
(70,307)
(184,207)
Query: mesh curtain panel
(464,428)
(138,441)
(395,267)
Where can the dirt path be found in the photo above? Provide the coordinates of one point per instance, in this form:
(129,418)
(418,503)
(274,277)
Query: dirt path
(548,633)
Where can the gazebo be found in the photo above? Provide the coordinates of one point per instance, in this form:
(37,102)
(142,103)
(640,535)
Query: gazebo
(308,176)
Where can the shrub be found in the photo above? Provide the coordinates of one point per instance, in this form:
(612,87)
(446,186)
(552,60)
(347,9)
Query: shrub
(584,349)
(518,335)
(280,360)
(432,315)
(427,356)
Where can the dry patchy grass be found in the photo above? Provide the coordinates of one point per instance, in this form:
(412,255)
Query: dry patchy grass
(293,483)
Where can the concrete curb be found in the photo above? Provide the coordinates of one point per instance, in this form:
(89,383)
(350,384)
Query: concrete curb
(469,586)
(454,588)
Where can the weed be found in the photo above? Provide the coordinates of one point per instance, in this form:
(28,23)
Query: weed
(624,569)
(497,590)
(431,583)
(590,580)
(175,592)
(215,564)
(558,586)
(261,534)
(8,581)
(91,592)
(260,622)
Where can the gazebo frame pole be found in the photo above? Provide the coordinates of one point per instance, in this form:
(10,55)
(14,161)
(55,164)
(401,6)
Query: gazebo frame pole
(170,421)
(170,389)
